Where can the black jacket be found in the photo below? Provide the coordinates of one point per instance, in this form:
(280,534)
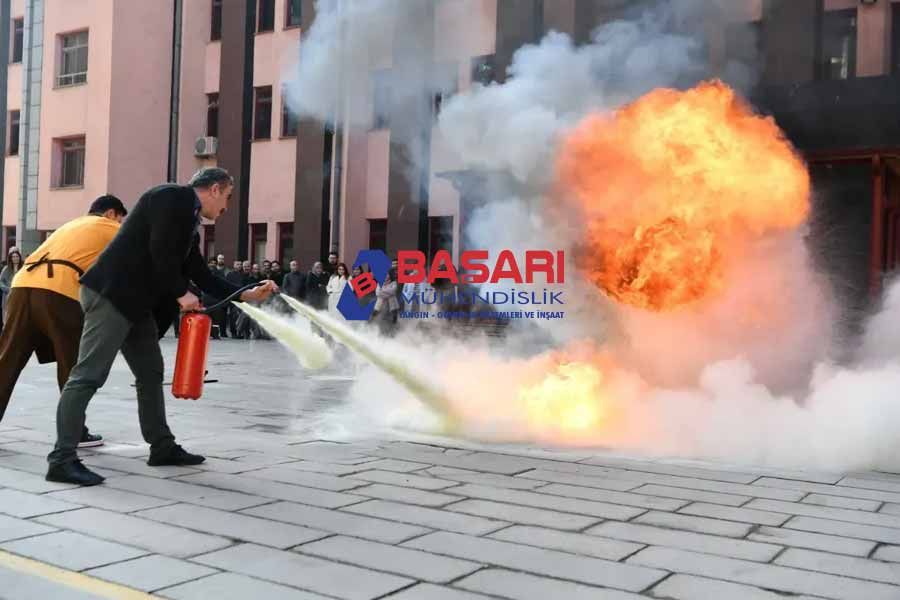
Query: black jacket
(294,284)
(149,263)
(316,294)
(235,278)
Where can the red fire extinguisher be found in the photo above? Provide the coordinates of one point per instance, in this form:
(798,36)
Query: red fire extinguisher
(190,362)
(193,344)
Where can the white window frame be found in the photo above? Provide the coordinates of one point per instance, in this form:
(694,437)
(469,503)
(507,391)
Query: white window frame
(64,79)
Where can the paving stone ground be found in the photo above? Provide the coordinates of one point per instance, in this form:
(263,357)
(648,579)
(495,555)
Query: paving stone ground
(278,512)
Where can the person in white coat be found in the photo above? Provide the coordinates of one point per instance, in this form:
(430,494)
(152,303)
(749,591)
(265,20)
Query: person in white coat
(335,287)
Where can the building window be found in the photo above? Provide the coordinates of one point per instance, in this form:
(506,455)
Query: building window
(262,117)
(71,162)
(483,69)
(18,36)
(288,119)
(285,245)
(895,34)
(266,20)
(839,44)
(440,235)
(215,29)
(292,18)
(258,242)
(212,115)
(73,63)
(209,241)
(381,100)
(13,133)
(378,234)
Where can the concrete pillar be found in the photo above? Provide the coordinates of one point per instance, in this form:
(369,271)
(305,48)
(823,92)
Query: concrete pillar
(559,15)
(411,122)
(235,122)
(519,22)
(311,196)
(5,46)
(27,235)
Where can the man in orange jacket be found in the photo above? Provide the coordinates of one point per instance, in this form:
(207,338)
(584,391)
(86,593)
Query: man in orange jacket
(44,315)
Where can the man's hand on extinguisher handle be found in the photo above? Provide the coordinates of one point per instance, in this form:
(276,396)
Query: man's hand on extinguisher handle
(189,302)
(260,292)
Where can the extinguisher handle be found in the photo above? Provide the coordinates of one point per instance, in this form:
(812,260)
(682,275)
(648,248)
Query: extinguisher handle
(236,294)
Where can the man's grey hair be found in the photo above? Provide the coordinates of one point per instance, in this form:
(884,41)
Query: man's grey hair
(207,176)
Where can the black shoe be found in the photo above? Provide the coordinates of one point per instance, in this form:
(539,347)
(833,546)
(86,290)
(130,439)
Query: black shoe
(174,456)
(73,472)
(90,440)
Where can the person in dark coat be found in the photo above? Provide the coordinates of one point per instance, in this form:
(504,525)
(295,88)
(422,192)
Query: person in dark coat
(221,269)
(331,266)
(244,324)
(236,278)
(220,315)
(294,282)
(148,265)
(316,287)
(275,272)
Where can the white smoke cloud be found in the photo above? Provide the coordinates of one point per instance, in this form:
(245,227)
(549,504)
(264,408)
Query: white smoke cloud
(515,126)
(348,43)
(774,314)
(880,340)
(335,50)
(843,419)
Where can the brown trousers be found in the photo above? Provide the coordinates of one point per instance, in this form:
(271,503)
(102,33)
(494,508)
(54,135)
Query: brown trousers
(38,321)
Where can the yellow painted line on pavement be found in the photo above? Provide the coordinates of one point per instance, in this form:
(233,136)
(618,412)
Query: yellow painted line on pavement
(71,579)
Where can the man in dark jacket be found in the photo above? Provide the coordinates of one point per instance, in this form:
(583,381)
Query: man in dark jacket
(330,267)
(221,269)
(219,316)
(294,282)
(316,284)
(119,296)
(236,278)
(275,272)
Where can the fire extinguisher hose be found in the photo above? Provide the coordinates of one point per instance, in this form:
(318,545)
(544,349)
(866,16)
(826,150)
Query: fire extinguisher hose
(222,303)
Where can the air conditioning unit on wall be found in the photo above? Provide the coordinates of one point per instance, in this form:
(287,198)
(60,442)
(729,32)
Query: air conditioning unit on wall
(206,146)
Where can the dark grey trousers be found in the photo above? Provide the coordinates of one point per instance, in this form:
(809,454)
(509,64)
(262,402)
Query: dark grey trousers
(106,332)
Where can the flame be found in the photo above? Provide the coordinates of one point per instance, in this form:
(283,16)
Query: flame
(567,402)
(672,187)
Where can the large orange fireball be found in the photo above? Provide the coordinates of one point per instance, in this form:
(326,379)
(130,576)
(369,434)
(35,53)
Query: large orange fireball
(672,186)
